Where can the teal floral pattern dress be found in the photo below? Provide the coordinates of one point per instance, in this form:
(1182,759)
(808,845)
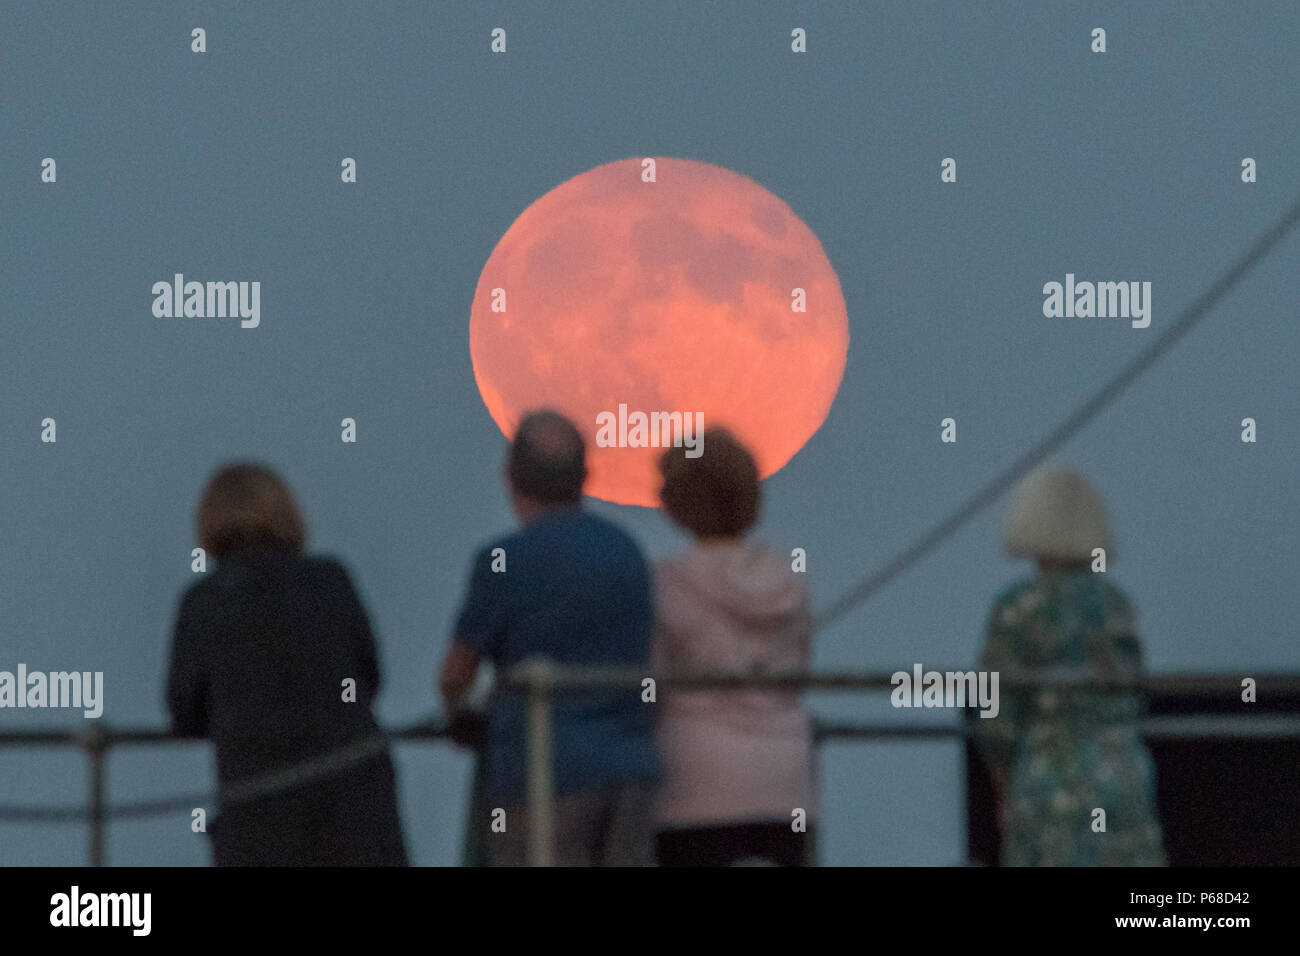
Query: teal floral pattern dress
(1061,754)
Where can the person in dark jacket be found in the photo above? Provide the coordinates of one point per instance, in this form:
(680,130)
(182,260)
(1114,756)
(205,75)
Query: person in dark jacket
(273,660)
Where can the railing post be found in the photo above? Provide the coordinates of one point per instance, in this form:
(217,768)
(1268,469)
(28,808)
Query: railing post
(95,742)
(539,675)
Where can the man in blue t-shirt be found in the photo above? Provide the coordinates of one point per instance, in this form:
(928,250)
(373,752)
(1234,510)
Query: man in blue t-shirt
(572,587)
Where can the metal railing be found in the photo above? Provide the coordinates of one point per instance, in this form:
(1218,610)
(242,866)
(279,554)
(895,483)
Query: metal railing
(540,681)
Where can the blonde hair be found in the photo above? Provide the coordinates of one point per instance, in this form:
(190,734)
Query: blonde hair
(1055,513)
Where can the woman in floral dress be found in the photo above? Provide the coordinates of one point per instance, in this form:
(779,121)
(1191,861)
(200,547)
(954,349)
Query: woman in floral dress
(1076,784)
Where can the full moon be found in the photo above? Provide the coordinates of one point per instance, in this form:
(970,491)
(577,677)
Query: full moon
(699,292)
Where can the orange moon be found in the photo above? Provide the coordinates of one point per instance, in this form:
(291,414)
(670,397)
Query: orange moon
(669,296)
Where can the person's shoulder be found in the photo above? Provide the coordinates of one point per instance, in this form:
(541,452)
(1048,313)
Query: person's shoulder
(600,525)
(212,594)
(1114,593)
(322,567)
(198,593)
(768,555)
(1013,602)
(672,564)
(1013,593)
(321,564)
(325,576)
(515,546)
(508,542)
(1117,602)
(585,525)
(671,572)
(618,541)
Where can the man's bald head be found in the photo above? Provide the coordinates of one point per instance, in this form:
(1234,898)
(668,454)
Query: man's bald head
(548,459)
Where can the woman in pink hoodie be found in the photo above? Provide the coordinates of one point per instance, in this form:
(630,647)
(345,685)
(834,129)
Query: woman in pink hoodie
(738,776)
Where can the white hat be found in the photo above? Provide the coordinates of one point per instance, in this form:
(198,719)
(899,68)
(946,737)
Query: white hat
(1055,513)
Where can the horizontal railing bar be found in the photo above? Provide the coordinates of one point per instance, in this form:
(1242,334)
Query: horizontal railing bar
(529,674)
(129,736)
(1220,726)
(1180,727)
(1190,725)
(1188,685)
(1196,726)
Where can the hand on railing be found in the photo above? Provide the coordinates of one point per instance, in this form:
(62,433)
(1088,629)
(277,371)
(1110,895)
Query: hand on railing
(467,728)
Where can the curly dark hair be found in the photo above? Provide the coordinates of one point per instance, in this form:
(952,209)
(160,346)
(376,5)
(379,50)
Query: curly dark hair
(715,494)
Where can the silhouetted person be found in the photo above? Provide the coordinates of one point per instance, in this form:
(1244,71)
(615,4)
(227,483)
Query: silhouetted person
(1058,756)
(737,763)
(263,649)
(576,589)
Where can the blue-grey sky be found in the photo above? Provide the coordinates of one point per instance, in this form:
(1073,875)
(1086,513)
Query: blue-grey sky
(225,166)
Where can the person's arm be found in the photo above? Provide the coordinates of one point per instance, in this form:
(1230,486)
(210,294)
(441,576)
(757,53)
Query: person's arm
(1125,645)
(479,630)
(459,670)
(187,698)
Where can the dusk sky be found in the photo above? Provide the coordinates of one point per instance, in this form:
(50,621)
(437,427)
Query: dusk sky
(225,166)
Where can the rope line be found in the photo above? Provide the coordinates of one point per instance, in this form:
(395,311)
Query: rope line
(252,789)
(1067,429)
